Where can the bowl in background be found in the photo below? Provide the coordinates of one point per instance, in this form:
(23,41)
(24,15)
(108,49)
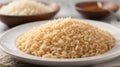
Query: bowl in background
(12,21)
(91,10)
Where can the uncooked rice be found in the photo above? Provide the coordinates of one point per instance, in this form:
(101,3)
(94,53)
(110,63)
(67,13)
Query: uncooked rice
(25,8)
(65,38)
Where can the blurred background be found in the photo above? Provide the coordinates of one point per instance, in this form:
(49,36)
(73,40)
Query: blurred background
(67,6)
(67,9)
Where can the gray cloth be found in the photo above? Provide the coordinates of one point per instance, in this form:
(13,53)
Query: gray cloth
(7,61)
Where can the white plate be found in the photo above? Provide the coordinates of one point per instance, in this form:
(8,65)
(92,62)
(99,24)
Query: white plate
(7,44)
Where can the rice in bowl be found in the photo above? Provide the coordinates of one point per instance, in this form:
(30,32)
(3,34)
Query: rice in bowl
(25,8)
(65,38)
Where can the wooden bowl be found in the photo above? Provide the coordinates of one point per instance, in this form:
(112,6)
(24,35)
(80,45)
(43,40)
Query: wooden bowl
(12,21)
(92,11)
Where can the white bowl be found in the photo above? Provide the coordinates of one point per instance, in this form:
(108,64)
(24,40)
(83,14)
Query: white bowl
(8,39)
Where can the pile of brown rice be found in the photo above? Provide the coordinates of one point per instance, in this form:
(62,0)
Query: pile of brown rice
(65,38)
